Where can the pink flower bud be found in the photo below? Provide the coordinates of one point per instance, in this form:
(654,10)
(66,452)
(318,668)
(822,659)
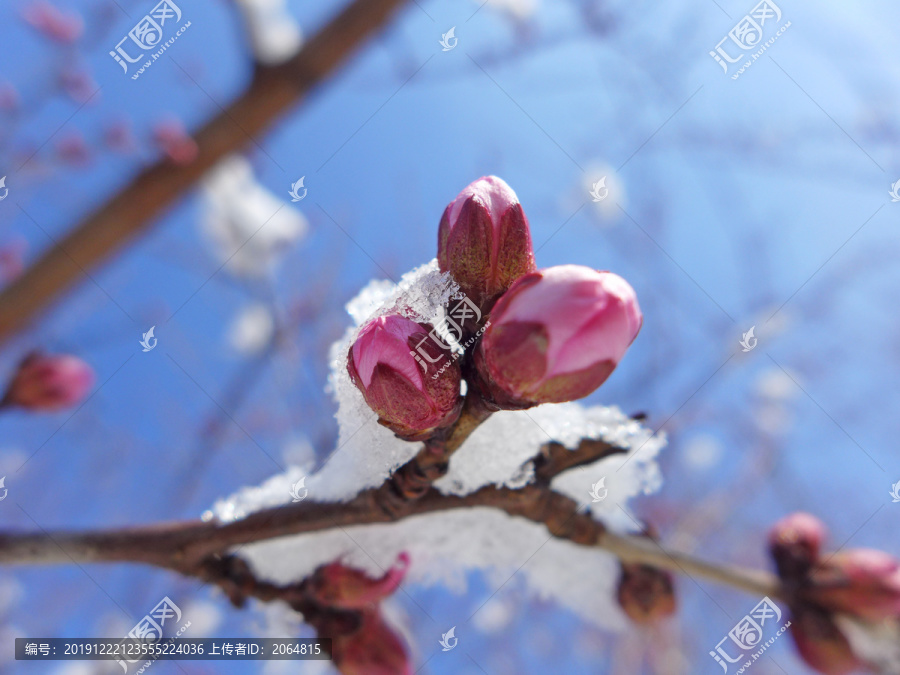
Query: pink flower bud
(861,582)
(175,142)
(78,84)
(821,643)
(645,593)
(49,383)
(484,240)
(118,136)
(411,397)
(73,149)
(9,97)
(795,542)
(373,649)
(335,585)
(53,23)
(556,335)
(12,259)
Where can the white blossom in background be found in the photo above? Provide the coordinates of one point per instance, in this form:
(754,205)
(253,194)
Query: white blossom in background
(702,452)
(775,385)
(205,618)
(776,389)
(252,329)
(11,460)
(76,668)
(445,546)
(248,227)
(602,180)
(274,33)
(495,615)
(517,9)
(10,593)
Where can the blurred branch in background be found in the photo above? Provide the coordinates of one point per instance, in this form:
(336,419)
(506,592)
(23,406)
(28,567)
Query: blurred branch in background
(273,90)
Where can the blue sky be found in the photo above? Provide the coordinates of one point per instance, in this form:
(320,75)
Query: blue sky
(740,197)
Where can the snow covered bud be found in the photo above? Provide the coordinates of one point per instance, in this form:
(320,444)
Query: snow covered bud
(821,644)
(861,582)
(405,376)
(645,593)
(795,542)
(484,240)
(556,335)
(49,383)
(335,585)
(373,649)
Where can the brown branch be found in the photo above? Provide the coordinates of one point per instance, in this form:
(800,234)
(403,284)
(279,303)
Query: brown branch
(273,90)
(202,549)
(413,479)
(193,548)
(554,458)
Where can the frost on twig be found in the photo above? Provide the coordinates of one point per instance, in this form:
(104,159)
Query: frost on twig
(446,546)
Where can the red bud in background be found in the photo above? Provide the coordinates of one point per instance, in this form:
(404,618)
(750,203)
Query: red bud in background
(78,84)
(556,336)
(821,644)
(342,603)
(860,582)
(73,149)
(795,542)
(49,383)
(175,141)
(386,364)
(645,593)
(53,23)
(336,585)
(373,649)
(484,240)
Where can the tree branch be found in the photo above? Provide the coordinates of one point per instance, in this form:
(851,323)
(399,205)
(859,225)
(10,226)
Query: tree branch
(195,548)
(202,549)
(413,479)
(555,458)
(273,90)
